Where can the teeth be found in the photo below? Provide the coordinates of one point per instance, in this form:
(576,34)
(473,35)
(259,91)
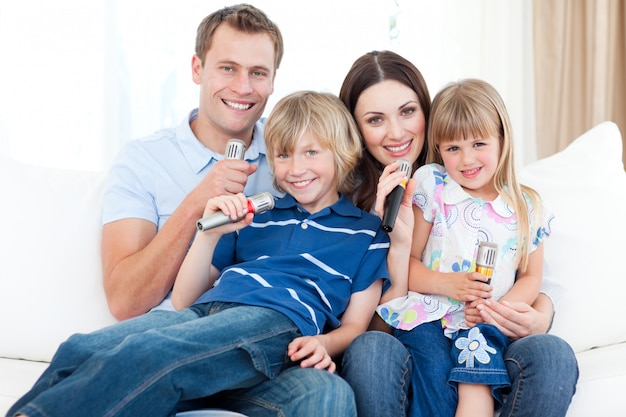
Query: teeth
(301,183)
(238,106)
(398,148)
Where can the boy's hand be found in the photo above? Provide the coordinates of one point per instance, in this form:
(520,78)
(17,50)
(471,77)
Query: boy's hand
(232,205)
(310,352)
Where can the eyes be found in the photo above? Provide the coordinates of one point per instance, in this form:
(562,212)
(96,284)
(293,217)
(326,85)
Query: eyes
(255,73)
(455,148)
(405,111)
(309,153)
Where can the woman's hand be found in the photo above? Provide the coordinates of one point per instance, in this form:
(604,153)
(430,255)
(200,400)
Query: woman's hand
(403,228)
(515,319)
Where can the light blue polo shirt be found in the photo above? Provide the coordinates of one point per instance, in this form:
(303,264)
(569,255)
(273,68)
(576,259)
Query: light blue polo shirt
(151,176)
(303,265)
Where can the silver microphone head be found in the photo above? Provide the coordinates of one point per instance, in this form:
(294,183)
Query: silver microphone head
(486,256)
(235,148)
(405,166)
(262,202)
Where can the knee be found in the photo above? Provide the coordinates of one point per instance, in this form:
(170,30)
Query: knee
(544,356)
(370,345)
(319,392)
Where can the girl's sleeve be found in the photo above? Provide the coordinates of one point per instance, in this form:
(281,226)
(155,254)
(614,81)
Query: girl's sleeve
(544,229)
(429,190)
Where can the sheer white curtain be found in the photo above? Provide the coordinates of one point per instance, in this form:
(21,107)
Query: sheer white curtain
(79,78)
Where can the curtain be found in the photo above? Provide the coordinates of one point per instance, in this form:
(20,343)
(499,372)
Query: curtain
(580,69)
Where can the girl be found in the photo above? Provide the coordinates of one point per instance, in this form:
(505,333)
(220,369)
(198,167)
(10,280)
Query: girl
(467,194)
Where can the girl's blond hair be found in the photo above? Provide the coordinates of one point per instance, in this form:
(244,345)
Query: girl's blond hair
(473,108)
(325,117)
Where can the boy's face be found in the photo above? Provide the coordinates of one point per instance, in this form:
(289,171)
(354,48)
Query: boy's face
(308,174)
(235,83)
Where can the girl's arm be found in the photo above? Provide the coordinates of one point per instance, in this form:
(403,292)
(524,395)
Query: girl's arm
(527,282)
(318,351)
(462,286)
(197,274)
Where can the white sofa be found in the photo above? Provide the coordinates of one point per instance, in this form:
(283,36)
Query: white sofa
(50,276)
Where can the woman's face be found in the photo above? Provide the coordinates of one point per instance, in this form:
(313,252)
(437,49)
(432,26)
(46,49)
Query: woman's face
(391,121)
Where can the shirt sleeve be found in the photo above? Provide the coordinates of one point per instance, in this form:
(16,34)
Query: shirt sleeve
(126,193)
(374,264)
(429,190)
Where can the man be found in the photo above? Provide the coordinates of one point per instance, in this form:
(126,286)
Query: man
(158,188)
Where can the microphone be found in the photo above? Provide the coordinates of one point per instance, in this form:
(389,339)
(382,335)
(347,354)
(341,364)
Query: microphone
(394,199)
(235,148)
(486,259)
(257,204)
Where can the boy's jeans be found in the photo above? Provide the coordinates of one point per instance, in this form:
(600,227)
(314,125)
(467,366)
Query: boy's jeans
(147,365)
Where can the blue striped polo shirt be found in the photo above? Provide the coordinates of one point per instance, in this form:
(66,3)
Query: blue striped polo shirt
(303,265)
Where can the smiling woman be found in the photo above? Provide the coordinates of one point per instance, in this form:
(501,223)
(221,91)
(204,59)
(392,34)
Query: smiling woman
(79,79)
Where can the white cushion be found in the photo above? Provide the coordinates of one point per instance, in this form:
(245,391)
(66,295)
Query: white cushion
(50,265)
(585,185)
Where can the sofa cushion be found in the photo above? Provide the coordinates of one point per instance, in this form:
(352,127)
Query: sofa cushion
(585,186)
(50,266)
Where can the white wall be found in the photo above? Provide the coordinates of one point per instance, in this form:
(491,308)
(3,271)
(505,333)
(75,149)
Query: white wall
(78,78)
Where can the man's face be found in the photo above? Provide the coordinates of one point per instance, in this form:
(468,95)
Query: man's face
(235,83)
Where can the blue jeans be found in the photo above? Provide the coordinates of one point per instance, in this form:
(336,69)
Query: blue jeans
(542,368)
(151,364)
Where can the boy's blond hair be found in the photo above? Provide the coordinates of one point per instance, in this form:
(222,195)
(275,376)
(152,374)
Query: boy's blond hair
(325,117)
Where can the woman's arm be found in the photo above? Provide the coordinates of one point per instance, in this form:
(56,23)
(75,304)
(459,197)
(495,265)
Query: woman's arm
(518,319)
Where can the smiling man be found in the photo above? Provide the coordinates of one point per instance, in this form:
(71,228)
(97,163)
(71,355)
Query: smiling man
(158,187)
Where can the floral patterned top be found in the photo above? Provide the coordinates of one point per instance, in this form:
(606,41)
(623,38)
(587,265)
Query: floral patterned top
(459,223)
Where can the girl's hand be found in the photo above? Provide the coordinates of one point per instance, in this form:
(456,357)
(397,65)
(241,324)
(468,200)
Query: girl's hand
(467,286)
(310,352)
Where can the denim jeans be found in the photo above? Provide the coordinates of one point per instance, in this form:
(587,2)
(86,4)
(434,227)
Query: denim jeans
(151,364)
(542,368)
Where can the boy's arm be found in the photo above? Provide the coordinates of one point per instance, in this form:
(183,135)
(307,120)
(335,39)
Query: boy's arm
(317,351)
(197,274)
(139,264)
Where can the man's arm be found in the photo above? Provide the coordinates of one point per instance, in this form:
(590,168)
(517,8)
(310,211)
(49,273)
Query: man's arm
(140,264)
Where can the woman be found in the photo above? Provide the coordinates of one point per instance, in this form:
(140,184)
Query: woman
(389,100)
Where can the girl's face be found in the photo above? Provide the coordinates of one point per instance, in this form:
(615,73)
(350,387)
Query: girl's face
(472,163)
(308,174)
(391,121)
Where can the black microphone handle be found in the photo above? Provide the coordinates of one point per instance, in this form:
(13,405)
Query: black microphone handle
(392,206)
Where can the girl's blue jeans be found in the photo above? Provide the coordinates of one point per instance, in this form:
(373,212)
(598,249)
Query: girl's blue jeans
(149,365)
(542,368)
